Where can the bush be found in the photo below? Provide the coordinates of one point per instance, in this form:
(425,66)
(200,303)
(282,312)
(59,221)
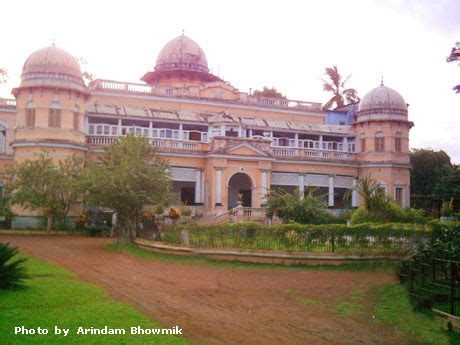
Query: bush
(185,211)
(12,272)
(5,213)
(174,213)
(292,208)
(362,238)
(391,213)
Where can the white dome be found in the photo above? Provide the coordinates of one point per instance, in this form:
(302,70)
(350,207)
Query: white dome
(382,103)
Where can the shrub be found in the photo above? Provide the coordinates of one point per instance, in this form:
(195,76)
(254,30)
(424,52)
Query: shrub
(6,213)
(292,208)
(414,215)
(447,208)
(159,209)
(12,272)
(389,213)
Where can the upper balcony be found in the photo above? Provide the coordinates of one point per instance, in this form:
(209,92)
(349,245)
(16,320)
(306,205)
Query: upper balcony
(167,91)
(198,139)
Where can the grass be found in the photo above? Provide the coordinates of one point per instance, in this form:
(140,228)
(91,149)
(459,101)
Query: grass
(393,307)
(52,297)
(194,260)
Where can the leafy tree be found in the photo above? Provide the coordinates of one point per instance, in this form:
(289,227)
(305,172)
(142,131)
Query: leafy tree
(291,208)
(40,184)
(5,213)
(12,271)
(455,56)
(268,92)
(335,84)
(129,176)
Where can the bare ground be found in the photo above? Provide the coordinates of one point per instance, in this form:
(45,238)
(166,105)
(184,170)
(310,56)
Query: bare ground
(220,305)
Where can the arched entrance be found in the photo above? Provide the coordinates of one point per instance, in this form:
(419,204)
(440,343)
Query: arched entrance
(239,185)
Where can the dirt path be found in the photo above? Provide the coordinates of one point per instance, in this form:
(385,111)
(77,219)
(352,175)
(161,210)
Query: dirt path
(216,305)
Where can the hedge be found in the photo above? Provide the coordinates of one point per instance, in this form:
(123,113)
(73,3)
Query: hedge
(394,238)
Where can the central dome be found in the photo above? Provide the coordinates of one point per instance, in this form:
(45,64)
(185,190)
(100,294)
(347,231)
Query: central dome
(182,54)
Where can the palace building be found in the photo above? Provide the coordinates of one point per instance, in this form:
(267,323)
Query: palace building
(222,145)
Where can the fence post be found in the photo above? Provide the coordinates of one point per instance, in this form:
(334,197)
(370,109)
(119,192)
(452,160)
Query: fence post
(452,289)
(184,237)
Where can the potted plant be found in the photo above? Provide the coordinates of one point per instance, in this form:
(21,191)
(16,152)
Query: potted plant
(174,214)
(447,211)
(185,212)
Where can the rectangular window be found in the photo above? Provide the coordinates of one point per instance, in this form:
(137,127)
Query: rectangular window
(398,195)
(75,121)
(398,144)
(379,144)
(363,144)
(54,119)
(30,117)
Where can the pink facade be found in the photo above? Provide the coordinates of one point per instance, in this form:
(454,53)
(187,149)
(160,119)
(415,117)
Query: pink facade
(222,144)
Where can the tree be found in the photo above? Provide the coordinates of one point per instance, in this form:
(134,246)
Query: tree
(40,184)
(373,196)
(129,176)
(3,76)
(268,92)
(455,56)
(335,84)
(433,179)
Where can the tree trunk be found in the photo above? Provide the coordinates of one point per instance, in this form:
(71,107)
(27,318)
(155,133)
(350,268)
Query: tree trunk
(49,222)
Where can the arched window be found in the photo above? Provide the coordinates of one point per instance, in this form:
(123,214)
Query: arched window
(54,118)
(363,142)
(30,114)
(76,118)
(379,142)
(398,142)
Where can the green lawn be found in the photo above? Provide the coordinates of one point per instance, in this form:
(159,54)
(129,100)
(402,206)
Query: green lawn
(393,307)
(52,297)
(195,260)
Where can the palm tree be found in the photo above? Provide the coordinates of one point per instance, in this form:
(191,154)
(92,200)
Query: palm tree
(455,56)
(372,195)
(336,85)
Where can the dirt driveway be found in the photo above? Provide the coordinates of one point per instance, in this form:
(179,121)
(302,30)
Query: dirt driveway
(216,305)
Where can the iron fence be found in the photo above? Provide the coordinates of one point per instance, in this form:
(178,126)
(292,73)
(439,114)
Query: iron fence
(361,240)
(433,283)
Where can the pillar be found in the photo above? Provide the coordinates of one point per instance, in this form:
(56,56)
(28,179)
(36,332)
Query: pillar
(263,186)
(302,185)
(320,142)
(222,130)
(181,132)
(354,195)
(218,186)
(150,129)
(119,127)
(345,144)
(86,125)
(296,140)
(198,187)
(202,187)
(330,202)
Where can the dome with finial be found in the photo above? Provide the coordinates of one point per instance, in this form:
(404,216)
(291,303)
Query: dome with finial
(382,103)
(52,66)
(181,58)
(182,53)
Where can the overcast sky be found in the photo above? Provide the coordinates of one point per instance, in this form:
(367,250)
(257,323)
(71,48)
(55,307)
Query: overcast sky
(285,44)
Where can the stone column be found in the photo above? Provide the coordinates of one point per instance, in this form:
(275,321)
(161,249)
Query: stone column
(263,186)
(218,186)
(202,187)
(345,144)
(302,185)
(181,132)
(296,140)
(119,127)
(86,125)
(198,200)
(354,195)
(330,202)
(150,129)
(222,130)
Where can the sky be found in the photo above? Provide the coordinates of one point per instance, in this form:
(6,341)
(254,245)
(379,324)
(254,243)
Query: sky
(282,44)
